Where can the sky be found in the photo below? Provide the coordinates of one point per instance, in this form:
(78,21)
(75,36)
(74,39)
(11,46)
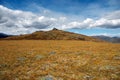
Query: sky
(88,17)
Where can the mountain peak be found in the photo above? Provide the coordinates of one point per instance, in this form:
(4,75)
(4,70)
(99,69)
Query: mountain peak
(54,29)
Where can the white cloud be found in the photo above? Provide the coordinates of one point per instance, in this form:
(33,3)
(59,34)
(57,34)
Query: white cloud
(111,21)
(75,24)
(18,22)
(106,23)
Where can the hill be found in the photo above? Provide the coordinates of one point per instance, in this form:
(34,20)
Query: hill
(2,35)
(109,39)
(53,34)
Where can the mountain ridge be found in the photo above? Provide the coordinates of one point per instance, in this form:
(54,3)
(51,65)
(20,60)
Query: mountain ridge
(108,39)
(3,35)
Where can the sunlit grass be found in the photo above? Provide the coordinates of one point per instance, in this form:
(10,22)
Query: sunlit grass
(59,60)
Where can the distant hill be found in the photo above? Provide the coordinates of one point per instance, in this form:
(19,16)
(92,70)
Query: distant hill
(109,39)
(2,35)
(53,34)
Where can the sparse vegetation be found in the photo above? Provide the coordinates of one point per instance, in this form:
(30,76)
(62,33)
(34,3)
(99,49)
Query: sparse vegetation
(59,60)
(54,34)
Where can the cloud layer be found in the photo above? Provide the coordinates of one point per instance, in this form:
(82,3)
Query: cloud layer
(19,22)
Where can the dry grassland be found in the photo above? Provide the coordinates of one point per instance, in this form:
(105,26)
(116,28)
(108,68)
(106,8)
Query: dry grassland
(59,60)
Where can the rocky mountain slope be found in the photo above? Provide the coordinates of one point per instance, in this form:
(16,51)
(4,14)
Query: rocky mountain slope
(53,34)
(109,39)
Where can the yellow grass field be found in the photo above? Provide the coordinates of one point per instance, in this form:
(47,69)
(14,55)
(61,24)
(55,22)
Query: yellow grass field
(59,60)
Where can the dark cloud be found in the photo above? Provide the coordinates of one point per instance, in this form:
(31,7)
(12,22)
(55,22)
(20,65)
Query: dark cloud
(38,25)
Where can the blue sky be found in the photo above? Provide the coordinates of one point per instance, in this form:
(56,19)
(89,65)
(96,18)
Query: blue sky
(89,17)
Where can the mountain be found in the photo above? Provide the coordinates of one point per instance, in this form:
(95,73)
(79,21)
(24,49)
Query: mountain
(109,39)
(53,34)
(2,35)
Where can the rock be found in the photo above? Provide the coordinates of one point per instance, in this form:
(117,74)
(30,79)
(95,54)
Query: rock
(52,52)
(54,29)
(4,65)
(116,57)
(87,77)
(3,72)
(17,79)
(107,67)
(21,59)
(48,77)
(38,57)
(114,77)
